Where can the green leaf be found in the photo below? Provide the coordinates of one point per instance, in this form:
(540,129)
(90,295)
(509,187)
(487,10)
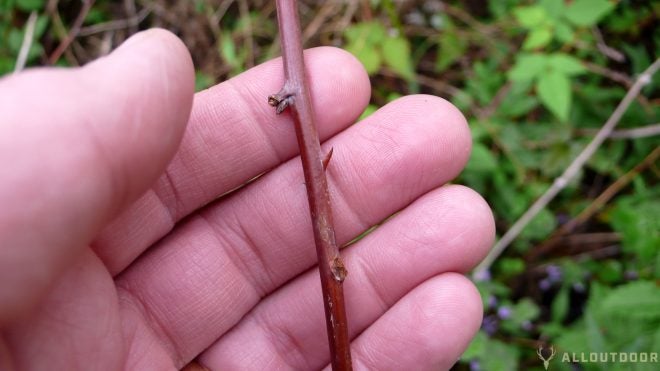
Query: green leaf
(560,305)
(573,340)
(518,101)
(30,5)
(15,41)
(481,160)
(564,32)
(528,67)
(499,356)
(530,16)
(450,49)
(203,81)
(606,159)
(370,33)
(554,8)
(594,334)
(364,40)
(610,271)
(485,82)
(478,346)
(540,227)
(228,50)
(638,56)
(396,55)
(638,223)
(97,15)
(639,299)
(554,91)
(523,311)
(566,64)
(508,201)
(368,55)
(537,38)
(510,266)
(588,12)
(368,111)
(391,97)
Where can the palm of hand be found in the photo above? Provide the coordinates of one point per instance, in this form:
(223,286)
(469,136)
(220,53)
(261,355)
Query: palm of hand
(170,279)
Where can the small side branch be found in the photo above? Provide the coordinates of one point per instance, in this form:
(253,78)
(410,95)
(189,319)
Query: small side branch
(295,97)
(577,164)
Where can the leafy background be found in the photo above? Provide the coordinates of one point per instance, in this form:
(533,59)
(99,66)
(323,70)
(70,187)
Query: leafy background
(536,80)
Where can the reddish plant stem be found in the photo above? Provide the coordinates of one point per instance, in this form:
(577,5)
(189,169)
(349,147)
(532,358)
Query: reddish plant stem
(295,96)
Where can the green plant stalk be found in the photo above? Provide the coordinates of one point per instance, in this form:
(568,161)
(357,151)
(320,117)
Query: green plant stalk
(295,96)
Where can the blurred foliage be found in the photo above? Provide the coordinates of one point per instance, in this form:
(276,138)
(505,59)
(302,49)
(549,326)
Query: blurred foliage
(536,80)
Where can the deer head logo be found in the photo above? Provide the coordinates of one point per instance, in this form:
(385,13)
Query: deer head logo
(546,362)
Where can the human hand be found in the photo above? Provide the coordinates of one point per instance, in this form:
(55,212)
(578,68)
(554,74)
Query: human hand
(116,252)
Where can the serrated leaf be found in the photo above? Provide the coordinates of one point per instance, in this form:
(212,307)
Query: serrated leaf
(396,55)
(566,64)
(554,91)
(588,12)
(639,299)
(530,16)
(537,38)
(528,67)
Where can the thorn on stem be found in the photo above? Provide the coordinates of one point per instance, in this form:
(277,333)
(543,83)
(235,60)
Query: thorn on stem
(327,158)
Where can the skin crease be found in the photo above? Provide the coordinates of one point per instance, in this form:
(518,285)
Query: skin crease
(115,252)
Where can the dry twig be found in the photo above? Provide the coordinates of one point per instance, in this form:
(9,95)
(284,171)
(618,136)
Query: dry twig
(634,133)
(73,32)
(595,205)
(577,164)
(27,43)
